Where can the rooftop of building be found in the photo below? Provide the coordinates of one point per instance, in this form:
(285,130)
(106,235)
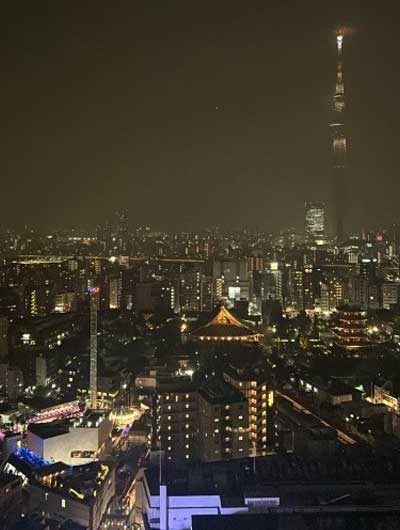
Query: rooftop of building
(41,324)
(79,483)
(351,309)
(334,518)
(360,472)
(6,479)
(141,425)
(93,418)
(246,373)
(391,386)
(296,416)
(177,384)
(31,464)
(49,430)
(219,392)
(334,387)
(71,525)
(90,421)
(31,523)
(224,326)
(11,434)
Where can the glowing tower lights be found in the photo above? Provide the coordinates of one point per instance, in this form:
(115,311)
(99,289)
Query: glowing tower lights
(339,40)
(339,140)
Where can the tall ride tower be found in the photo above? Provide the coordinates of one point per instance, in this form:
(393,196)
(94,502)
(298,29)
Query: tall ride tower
(339,142)
(93,293)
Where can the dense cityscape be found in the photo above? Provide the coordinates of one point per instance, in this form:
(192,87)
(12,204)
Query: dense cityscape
(222,379)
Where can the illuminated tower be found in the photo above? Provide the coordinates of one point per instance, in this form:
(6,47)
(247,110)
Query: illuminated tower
(339,143)
(93,292)
(315,221)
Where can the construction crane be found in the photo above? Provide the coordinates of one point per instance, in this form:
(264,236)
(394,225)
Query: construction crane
(93,293)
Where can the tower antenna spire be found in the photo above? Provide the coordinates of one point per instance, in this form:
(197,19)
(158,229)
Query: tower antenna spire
(339,140)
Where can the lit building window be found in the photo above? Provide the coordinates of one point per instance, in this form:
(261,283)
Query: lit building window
(63,503)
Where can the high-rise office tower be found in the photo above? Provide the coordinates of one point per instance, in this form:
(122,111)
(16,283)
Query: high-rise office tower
(122,232)
(339,142)
(315,221)
(115,292)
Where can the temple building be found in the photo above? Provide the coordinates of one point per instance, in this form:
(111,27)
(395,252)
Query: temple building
(351,330)
(225,327)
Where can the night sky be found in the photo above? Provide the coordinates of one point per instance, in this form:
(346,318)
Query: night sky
(190,113)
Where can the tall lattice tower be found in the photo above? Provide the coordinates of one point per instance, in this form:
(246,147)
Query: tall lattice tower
(339,142)
(93,293)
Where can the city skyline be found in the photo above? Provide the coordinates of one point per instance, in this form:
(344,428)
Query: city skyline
(199,266)
(223,108)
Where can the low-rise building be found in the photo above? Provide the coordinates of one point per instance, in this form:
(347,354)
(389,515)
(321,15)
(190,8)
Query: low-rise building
(186,492)
(78,442)
(81,494)
(10,499)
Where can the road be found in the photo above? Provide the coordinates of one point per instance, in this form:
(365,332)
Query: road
(342,436)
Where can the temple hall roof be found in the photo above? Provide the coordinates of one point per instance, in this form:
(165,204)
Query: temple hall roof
(224,326)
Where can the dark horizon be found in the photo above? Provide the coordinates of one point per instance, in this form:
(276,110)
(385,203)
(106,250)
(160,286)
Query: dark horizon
(194,116)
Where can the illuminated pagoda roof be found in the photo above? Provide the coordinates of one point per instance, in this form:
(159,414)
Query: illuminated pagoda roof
(351,329)
(225,327)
